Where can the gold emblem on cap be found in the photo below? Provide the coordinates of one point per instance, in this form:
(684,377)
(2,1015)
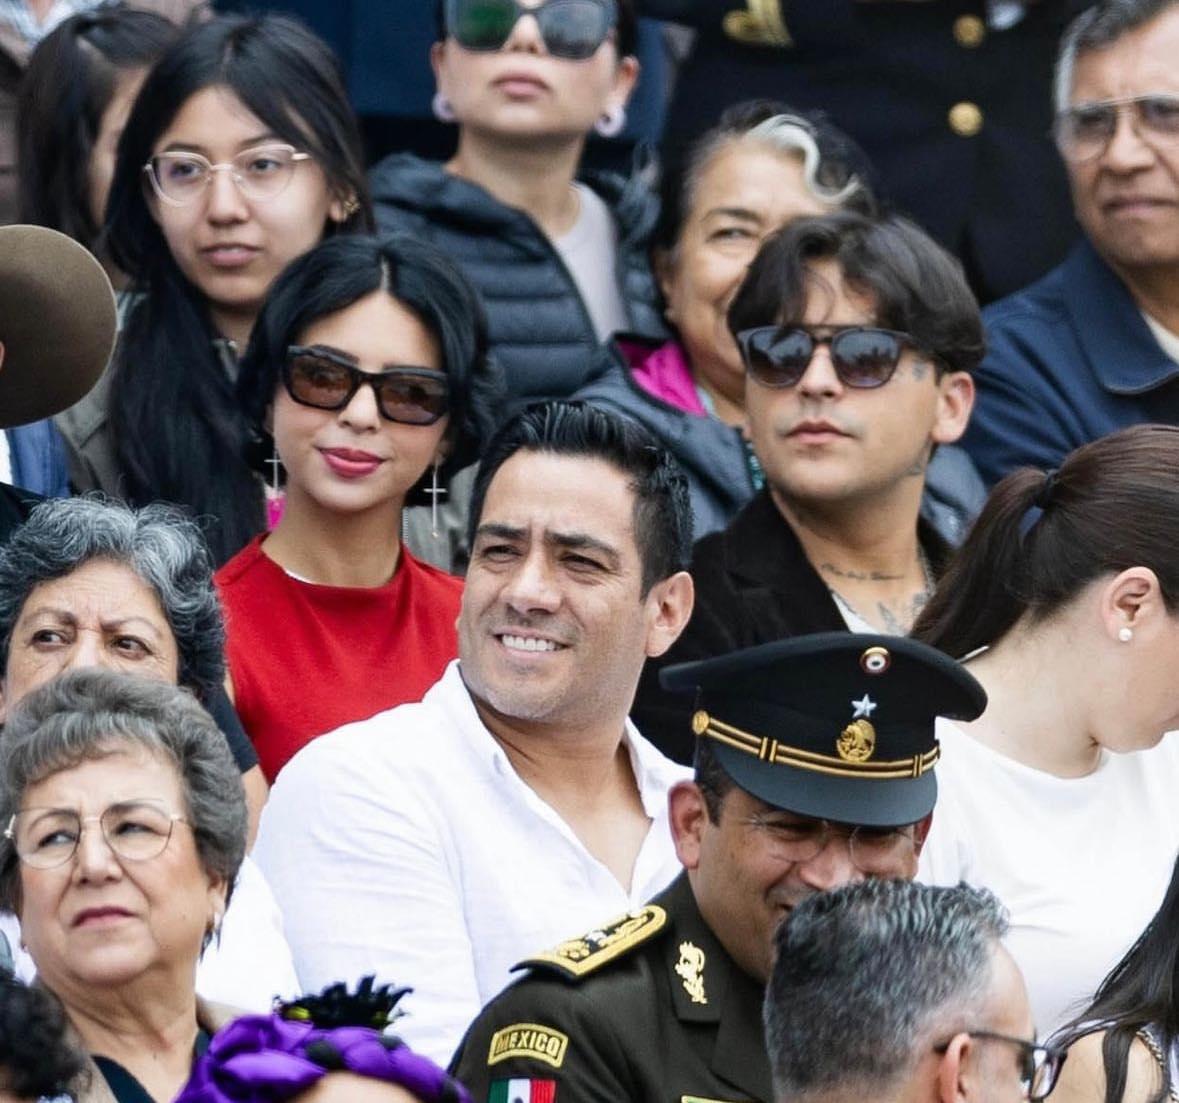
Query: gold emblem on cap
(876,660)
(857,741)
(700,721)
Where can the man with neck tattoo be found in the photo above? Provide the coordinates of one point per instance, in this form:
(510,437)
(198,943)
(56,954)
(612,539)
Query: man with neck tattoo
(859,336)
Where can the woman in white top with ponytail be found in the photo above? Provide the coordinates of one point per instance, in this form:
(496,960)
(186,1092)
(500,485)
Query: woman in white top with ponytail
(1061,797)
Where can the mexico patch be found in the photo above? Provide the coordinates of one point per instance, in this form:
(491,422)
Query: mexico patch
(540,1043)
(522,1091)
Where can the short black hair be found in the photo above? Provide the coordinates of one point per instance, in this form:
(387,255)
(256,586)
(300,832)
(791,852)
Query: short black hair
(340,271)
(662,511)
(628,25)
(36,1056)
(917,286)
(711,778)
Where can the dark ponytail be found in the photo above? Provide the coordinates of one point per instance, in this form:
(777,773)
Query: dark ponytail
(1043,537)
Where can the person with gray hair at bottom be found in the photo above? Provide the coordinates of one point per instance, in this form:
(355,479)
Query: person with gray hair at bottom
(124,825)
(86,582)
(898,991)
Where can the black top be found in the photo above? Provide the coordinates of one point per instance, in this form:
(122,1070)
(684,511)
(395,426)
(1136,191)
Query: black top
(648,1009)
(124,1087)
(15,506)
(754,584)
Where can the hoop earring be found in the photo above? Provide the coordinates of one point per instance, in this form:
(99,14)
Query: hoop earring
(442,108)
(611,121)
(434,490)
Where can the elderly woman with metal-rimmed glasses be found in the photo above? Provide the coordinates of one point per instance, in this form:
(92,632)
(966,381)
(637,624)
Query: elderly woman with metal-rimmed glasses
(124,827)
(368,382)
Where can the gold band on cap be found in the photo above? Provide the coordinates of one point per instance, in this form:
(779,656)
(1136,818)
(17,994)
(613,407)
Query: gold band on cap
(771,750)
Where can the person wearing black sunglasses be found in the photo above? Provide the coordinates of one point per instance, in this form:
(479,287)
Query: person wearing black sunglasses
(939,1007)
(1094,346)
(858,336)
(368,382)
(561,262)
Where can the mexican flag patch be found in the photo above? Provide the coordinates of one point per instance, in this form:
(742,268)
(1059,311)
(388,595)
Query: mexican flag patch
(522,1091)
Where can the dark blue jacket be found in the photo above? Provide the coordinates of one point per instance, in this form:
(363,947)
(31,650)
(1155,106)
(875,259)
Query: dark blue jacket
(1069,359)
(38,459)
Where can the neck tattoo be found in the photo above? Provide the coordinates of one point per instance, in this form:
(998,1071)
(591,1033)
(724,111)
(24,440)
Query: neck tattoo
(897,617)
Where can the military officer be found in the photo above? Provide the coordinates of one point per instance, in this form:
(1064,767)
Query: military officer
(814,768)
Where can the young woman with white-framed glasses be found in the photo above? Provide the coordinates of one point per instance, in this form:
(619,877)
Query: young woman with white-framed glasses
(240,154)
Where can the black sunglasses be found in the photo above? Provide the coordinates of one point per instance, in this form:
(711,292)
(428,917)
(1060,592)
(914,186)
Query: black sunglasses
(1039,1065)
(571,29)
(863,356)
(326,380)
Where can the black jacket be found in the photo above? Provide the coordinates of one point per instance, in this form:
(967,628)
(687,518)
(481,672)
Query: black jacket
(649,1009)
(754,584)
(540,329)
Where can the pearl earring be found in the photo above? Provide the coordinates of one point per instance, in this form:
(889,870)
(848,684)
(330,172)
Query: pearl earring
(1125,634)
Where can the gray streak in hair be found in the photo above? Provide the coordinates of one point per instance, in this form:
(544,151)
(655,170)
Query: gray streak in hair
(85,715)
(158,543)
(867,974)
(1095,29)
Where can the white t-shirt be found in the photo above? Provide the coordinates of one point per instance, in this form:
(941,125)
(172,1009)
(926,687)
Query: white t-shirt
(590,252)
(245,968)
(407,846)
(1082,864)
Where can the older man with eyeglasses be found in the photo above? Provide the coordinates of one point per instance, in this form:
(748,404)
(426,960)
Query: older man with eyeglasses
(814,769)
(1094,345)
(892,991)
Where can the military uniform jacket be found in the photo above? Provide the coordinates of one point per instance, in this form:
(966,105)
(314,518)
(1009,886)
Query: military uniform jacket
(650,1008)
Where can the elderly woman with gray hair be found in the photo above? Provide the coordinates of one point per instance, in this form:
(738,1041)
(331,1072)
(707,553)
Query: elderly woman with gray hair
(124,828)
(85,582)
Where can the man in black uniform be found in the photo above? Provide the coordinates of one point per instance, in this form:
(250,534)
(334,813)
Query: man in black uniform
(813,769)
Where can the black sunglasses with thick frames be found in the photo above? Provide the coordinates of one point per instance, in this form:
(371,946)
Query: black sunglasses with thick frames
(329,380)
(1039,1065)
(570,29)
(863,356)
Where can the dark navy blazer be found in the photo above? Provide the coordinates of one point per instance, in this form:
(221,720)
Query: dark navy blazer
(1069,359)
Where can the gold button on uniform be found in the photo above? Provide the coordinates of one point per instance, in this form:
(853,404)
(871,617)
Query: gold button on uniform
(969,31)
(966,119)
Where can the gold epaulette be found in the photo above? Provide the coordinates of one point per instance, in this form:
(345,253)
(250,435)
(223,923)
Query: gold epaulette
(578,957)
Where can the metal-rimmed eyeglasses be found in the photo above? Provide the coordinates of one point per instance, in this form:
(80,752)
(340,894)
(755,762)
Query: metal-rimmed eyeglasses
(875,851)
(261,172)
(1083,132)
(1039,1065)
(328,380)
(135,830)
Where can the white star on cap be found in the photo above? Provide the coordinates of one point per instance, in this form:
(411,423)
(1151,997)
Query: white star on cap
(863,707)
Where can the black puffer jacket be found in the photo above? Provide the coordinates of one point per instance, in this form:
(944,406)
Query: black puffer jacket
(540,329)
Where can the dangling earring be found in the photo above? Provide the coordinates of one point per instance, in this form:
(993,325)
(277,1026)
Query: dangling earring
(611,121)
(442,108)
(434,491)
(275,497)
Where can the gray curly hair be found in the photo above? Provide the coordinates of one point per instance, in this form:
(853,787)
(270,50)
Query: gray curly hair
(85,715)
(158,543)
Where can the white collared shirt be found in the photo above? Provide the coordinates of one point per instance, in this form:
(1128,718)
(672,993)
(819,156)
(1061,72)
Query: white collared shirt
(407,846)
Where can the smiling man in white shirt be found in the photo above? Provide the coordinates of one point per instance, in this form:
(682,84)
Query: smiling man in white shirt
(439,843)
